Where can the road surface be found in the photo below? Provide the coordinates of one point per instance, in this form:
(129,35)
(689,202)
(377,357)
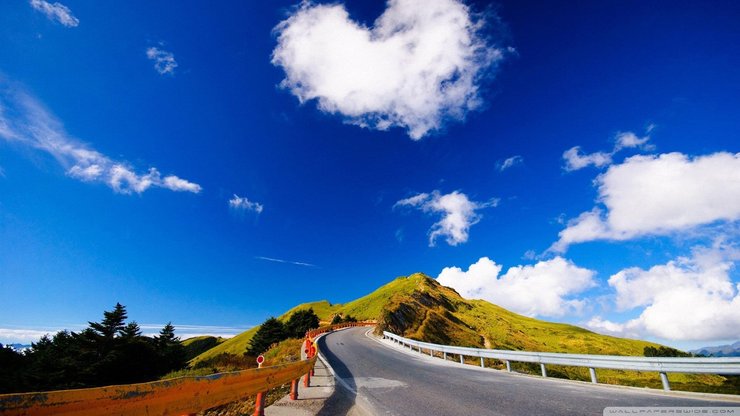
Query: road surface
(393,382)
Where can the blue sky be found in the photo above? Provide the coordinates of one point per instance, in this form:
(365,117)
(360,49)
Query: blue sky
(212,166)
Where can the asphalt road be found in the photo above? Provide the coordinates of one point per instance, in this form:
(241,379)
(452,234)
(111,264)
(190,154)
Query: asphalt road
(394,382)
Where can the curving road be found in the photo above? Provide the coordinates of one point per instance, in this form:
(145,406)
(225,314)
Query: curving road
(391,381)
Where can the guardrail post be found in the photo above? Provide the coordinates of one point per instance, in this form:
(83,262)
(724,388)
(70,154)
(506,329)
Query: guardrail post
(259,406)
(444,355)
(431,352)
(544,370)
(593,375)
(481,363)
(508,365)
(307,380)
(461,359)
(294,390)
(666,384)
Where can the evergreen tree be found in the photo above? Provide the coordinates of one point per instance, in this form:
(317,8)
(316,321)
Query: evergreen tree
(112,323)
(270,332)
(170,349)
(300,322)
(131,330)
(337,319)
(167,336)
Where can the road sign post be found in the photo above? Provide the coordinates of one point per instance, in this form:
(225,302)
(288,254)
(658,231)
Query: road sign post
(259,407)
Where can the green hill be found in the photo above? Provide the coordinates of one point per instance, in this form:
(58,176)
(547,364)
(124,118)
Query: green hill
(418,307)
(198,345)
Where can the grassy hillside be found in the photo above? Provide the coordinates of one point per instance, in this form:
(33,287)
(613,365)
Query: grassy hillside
(198,345)
(235,345)
(418,307)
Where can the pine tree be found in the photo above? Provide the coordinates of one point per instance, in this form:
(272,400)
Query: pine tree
(167,336)
(131,331)
(112,323)
(170,349)
(300,322)
(270,332)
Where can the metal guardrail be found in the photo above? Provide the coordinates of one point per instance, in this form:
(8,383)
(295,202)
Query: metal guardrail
(661,365)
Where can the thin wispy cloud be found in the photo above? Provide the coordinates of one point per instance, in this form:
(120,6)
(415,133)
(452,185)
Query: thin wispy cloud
(164,61)
(239,203)
(25,121)
(32,334)
(274,260)
(458,213)
(510,163)
(56,12)
(419,66)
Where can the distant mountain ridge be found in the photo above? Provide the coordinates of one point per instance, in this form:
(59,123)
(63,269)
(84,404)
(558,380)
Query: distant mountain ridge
(732,350)
(18,347)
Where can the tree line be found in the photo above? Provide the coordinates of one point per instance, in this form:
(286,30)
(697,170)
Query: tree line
(108,352)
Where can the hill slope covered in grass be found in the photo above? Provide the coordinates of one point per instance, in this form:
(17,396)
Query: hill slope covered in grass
(418,307)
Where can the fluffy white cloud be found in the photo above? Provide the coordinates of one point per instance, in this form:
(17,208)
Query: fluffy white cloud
(657,195)
(164,61)
(686,299)
(458,214)
(419,65)
(543,289)
(575,159)
(244,204)
(56,11)
(510,162)
(24,120)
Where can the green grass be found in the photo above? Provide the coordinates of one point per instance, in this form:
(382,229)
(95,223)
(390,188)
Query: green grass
(235,345)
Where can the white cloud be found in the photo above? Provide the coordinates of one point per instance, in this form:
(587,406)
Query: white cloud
(510,162)
(629,139)
(575,159)
(244,204)
(546,288)
(56,11)
(22,336)
(687,299)
(458,214)
(418,66)
(164,61)
(24,120)
(655,195)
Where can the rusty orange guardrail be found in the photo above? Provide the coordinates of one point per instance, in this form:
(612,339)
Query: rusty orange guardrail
(178,396)
(310,335)
(184,395)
